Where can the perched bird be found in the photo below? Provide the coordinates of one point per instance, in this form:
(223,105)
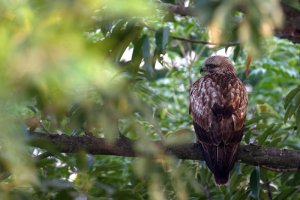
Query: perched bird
(218,105)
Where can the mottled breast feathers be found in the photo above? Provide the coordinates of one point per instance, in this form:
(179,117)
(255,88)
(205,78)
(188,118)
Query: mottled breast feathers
(218,90)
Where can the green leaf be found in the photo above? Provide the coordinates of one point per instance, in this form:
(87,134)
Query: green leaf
(292,3)
(124,38)
(113,40)
(261,116)
(169,1)
(298,131)
(240,195)
(292,105)
(137,54)
(254,182)
(297,116)
(162,38)
(288,113)
(284,194)
(290,96)
(235,180)
(247,136)
(275,141)
(105,27)
(236,52)
(33,109)
(146,55)
(270,131)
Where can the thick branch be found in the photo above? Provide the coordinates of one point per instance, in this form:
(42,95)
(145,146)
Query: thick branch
(249,154)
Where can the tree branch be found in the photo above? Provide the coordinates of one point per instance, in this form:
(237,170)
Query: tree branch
(290,30)
(205,42)
(273,158)
(194,40)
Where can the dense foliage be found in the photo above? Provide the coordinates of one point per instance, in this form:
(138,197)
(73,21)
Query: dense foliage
(105,68)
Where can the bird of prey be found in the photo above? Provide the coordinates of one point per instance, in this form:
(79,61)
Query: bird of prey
(218,105)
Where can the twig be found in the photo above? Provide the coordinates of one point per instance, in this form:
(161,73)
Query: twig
(269,190)
(205,42)
(193,40)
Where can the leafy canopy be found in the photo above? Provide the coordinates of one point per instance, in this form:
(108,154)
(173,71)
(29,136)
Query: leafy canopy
(100,67)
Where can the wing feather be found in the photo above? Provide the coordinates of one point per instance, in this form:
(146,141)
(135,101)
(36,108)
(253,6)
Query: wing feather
(218,105)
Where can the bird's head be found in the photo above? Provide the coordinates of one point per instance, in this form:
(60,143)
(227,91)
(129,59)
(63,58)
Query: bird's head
(217,64)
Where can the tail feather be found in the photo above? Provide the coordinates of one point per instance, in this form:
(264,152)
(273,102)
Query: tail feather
(219,149)
(220,160)
(221,179)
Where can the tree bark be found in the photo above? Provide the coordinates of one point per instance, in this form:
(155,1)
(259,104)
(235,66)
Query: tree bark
(269,157)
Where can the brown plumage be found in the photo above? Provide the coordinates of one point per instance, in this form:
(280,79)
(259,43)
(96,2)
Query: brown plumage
(218,105)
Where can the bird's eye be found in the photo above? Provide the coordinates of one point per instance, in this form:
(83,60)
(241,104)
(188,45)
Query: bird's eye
(211,65)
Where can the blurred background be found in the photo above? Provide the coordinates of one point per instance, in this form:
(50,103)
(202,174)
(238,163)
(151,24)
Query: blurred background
(111,66)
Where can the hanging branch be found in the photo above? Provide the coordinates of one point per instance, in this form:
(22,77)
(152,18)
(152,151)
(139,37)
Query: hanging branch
(269,157)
